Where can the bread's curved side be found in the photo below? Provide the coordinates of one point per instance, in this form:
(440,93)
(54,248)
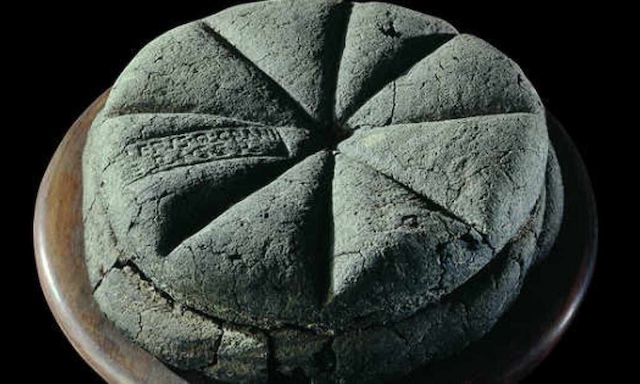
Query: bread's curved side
(204,130)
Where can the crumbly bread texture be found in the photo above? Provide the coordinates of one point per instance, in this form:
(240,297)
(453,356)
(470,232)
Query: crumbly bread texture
(317,191)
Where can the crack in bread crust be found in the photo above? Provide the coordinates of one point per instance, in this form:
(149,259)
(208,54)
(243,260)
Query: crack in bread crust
(283,355)
(259,122)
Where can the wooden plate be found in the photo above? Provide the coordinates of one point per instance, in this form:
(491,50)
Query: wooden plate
(519,342)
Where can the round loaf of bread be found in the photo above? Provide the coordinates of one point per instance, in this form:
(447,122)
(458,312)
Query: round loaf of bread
(316,190)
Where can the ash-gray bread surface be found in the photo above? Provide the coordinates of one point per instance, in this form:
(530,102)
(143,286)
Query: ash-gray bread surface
(316,190)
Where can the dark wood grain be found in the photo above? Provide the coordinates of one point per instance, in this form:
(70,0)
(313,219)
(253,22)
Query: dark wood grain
(519,342)
(58,241)
(552,292)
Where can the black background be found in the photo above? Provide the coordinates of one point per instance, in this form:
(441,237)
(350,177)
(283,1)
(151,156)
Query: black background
(80,50)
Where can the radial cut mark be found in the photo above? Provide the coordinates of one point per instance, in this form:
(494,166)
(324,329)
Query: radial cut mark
(393,253)
(436,331)
(168,175)
(258,260)
(295,42)
(383,41)
(464,77)
(159,211)
(192,69)
(486,170)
